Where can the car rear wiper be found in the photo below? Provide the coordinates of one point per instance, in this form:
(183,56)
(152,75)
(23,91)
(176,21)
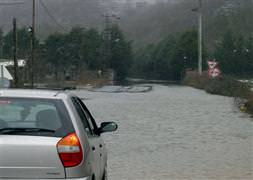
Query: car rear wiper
(24,130)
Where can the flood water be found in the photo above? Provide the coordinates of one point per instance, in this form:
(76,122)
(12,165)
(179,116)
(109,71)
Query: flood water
(174,132)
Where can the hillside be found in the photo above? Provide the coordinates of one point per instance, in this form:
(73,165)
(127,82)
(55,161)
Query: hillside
(145,23)
(65,12)
(159,20)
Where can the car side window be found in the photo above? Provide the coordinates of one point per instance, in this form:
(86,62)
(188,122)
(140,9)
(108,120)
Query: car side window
(89,120)
(82,116)
(89,116)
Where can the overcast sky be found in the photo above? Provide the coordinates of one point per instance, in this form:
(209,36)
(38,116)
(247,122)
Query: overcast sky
(146,0)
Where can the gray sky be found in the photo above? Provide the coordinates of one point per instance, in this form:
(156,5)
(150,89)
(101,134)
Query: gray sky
(151,1)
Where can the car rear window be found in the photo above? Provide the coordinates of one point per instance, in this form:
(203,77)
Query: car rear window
(35,113)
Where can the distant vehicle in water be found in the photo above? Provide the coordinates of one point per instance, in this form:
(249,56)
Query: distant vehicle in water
(50,135)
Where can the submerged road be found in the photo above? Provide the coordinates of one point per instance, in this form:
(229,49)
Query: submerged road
(174,132)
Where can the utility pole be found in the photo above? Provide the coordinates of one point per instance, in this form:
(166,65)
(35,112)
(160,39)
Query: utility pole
(1,56)
(200,56)
(1,44)
(32,45)
(110,19)
(107,39)
(15,61)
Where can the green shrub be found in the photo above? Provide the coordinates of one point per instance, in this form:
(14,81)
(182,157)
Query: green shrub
(249,106)
(196,81)
(226,86)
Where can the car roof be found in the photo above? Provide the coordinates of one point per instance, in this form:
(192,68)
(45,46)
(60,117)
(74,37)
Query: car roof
(34,93)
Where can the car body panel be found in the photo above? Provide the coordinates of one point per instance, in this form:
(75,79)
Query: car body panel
(36,157)
(91,161)
(81,178)
(29,157)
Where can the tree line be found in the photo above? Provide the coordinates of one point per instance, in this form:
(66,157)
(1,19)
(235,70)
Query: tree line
(235,54)
(61,54)
(78,50)
(173,56)
(168,59)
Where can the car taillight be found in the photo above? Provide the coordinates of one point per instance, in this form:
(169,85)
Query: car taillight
(70,150)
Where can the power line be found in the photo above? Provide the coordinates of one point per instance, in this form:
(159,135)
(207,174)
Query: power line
(11,3)
(51,16)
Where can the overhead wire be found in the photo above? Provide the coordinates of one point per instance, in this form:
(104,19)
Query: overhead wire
(52,16)
(11,3)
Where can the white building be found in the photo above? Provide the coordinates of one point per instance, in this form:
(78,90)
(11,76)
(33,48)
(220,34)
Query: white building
(5,75)
(7,62)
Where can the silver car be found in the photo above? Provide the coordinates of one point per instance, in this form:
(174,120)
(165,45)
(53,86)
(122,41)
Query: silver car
(50,135)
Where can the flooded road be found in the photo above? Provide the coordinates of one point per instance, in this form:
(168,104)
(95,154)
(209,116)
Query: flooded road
(174,132)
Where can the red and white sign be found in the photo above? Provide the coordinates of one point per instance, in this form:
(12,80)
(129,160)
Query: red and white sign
(212,64)
(213,71)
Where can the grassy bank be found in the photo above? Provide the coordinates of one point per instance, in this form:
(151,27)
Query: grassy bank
(225,86)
